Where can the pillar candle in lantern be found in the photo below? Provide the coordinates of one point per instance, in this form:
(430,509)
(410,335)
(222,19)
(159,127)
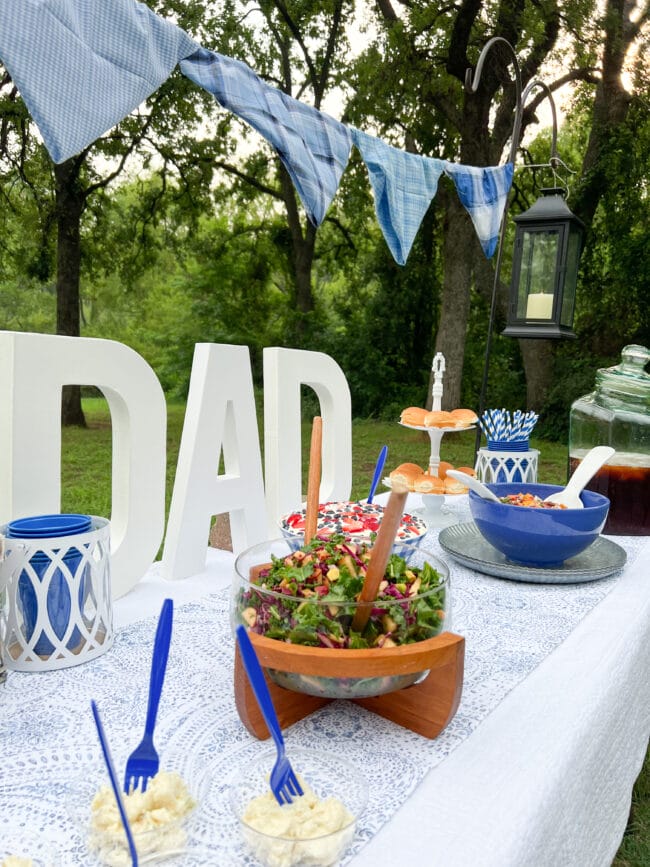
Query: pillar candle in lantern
(540,306)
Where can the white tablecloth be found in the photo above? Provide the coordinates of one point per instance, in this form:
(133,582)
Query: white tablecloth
(543,777)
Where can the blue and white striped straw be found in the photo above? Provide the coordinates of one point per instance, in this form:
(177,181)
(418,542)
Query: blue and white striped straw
(499,425)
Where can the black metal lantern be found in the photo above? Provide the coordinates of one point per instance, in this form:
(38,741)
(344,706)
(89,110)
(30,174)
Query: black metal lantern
(548,244)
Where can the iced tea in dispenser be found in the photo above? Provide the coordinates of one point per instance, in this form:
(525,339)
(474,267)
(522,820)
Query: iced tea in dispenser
(617,414)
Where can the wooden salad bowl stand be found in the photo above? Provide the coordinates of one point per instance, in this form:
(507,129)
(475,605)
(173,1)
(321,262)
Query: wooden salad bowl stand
(425,707)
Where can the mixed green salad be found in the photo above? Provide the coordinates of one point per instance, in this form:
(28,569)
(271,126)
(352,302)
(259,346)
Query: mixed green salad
(309,596)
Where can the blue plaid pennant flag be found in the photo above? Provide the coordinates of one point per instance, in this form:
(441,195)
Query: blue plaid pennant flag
(484,193)
(83,65)
(403,185)
(313,146)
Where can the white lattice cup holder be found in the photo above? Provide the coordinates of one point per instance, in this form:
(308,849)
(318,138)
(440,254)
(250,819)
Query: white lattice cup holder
(56,607)
(496,466)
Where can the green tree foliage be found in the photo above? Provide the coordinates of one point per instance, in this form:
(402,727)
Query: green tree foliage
(190,230)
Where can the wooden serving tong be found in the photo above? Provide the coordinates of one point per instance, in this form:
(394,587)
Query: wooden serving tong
(313,480)
(380,554)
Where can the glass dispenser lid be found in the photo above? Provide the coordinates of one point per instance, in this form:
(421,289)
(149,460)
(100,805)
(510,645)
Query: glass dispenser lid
(629,377)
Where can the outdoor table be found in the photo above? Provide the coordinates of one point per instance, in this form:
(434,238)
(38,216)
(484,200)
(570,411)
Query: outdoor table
(536,768)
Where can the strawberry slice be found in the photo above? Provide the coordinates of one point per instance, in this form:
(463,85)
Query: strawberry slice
(349,525)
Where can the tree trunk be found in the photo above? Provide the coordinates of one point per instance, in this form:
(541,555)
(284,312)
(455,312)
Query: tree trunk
(611,104)
(69,207)
(537,356)
(459,239)
(303,245)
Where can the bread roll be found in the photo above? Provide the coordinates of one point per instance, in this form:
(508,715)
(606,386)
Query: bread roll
(406,474)
(439,418)
(452,486)
(410,468)
(413,415)
(443,466)
(426,484)
(468,470)
(464,417)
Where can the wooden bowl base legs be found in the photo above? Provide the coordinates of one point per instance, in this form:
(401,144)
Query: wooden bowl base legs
(426,707)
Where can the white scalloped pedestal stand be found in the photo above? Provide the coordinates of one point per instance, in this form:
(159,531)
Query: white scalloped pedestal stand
(493,466)
(435,513)
(78,568)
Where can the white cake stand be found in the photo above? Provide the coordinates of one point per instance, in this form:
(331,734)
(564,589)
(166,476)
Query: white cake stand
(434,510)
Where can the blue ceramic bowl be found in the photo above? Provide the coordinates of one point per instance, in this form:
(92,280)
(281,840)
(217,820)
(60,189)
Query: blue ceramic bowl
(538,537)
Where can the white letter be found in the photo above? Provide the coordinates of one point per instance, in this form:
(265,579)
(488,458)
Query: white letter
(220,412)
(33,369)
(284,372)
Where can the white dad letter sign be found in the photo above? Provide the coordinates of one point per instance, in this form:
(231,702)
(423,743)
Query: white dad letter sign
(33,369)
(220,421)
(285,370)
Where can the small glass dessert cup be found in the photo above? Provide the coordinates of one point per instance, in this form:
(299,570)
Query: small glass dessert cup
(375,670)
(317,832)
(160,825)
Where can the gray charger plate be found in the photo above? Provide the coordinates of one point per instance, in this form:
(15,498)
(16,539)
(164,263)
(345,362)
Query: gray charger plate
(465,544)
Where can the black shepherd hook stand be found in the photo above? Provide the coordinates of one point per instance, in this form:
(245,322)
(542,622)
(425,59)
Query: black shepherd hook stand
(472,80)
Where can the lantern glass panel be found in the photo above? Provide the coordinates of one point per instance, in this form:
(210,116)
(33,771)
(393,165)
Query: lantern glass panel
(539,254)
(574,249)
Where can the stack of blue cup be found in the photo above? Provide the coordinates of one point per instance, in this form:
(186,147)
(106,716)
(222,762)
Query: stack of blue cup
(507,446)
(59,602)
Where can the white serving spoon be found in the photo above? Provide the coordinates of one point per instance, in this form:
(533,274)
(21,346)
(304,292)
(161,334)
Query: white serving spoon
(586,469)
(478,487)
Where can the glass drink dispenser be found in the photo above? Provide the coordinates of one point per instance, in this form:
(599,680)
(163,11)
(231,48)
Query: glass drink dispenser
(617,414)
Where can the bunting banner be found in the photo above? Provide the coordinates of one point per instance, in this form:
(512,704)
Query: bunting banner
(82,66)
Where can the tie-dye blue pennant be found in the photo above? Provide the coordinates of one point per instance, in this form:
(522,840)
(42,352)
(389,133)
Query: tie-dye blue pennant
(403,184)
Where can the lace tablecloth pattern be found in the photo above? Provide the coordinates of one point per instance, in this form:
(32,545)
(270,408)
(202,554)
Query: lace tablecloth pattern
(48,739)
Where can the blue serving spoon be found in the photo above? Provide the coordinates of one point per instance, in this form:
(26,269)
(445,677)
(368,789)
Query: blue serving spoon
(379,467)
(113,778)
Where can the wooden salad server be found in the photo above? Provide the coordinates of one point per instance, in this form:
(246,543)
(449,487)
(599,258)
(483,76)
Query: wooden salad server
(379,555)
(313,479)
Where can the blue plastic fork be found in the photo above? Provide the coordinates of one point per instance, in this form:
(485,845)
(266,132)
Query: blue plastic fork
(284,783)
(379,466)
(114,784)
(143,763)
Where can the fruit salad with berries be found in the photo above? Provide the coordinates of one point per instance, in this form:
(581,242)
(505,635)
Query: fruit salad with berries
(359,521)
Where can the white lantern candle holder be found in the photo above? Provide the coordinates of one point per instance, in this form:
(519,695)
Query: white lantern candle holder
(495,466)
(56,608)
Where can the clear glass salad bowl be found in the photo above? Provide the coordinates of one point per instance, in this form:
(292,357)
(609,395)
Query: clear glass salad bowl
(412,609)
(321,832)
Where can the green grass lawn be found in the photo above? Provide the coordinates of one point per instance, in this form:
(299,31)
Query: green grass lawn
(86,455)
(86,475)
